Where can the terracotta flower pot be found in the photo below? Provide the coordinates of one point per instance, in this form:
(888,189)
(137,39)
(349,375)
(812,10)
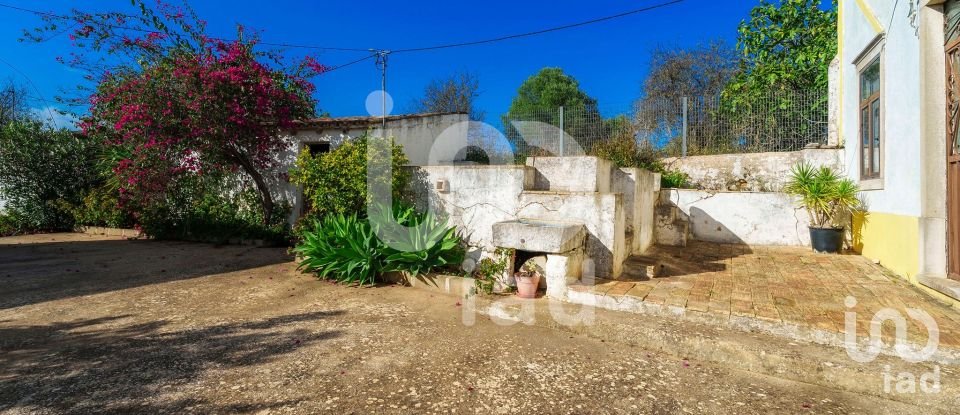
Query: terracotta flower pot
(527,283)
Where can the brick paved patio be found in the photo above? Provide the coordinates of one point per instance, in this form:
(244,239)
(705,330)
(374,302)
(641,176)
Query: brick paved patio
(773,286)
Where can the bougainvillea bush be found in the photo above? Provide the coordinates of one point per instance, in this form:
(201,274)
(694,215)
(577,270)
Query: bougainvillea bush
(182,104)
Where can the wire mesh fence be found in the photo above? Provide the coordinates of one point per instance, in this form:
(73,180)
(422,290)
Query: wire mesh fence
(676,127)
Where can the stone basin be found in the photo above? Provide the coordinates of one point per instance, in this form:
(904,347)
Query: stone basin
(533,235)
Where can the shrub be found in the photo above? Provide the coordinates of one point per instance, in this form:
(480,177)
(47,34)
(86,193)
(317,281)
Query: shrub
(473,154)
(100,206)
(43,171)
(212,208)
(626,152)
(489,270)
(8,225)
(352,249)
(336,182)
(341,248)
(675,179)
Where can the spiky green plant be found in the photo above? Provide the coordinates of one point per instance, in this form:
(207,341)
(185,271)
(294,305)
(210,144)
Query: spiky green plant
(824,194)
(341,248)
(350,249)
(416,243)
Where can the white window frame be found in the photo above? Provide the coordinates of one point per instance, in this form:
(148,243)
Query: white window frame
(874,52)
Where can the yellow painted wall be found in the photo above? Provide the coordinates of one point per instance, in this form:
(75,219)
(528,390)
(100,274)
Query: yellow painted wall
(894,240)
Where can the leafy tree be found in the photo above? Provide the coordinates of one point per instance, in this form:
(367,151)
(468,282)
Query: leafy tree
(785,52)
(181,103)
(44,172)
(455,93)
(539,99)
(786,45)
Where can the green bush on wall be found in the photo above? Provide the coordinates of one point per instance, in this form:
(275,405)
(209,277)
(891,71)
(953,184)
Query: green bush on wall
(336,182)
(625,152)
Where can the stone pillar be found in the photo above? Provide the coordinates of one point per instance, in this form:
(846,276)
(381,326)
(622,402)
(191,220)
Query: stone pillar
(833,132)
(561,271)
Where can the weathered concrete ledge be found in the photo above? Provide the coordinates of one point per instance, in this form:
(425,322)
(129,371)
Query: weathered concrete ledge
(539,236)
(101,230)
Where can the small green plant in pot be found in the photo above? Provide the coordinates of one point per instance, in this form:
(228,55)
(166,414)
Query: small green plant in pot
(828,198)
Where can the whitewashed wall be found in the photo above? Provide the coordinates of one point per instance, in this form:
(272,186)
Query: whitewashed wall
(752,218)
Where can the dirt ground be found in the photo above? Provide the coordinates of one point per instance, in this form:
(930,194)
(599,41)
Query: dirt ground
(95,324)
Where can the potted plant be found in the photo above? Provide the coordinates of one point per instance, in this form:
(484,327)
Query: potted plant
(828,199)
(528,280)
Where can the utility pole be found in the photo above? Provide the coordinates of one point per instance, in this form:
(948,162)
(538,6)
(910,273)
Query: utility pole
(382,65)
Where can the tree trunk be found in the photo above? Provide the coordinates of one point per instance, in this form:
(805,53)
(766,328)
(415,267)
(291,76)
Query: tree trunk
(266,200)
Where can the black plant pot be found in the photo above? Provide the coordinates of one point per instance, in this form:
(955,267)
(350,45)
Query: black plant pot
(826,240)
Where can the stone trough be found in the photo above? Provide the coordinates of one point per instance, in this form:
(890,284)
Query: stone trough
(561,242)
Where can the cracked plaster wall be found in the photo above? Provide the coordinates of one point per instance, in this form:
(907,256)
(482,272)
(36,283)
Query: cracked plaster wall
(755,172)
(752,218)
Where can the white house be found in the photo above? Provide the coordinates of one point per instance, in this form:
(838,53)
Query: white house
(420,135)
(897,118)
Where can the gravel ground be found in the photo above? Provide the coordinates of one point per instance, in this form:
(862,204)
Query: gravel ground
(96,324)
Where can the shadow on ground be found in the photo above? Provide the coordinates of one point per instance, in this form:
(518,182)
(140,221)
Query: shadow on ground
(94,366)
(34,272)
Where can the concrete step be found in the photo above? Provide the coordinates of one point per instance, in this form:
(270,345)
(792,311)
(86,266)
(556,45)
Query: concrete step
(642,267)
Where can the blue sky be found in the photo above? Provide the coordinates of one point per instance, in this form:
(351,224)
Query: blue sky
(610,59)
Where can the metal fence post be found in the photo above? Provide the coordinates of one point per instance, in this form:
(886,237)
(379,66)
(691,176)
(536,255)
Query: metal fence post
(684,103)
(562,134)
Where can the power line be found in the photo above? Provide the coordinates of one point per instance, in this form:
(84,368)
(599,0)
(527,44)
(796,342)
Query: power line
(538,32)
(350,63)
(30,81)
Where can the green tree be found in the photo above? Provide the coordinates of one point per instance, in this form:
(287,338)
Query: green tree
(780,91)
(539,99)
(44,172)
(785,46)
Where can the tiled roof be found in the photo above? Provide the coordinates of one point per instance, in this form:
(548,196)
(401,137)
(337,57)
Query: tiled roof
(364,120)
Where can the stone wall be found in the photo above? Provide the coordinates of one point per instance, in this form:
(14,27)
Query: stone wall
(752,218)
(640,189)
(755,172)
(476,197)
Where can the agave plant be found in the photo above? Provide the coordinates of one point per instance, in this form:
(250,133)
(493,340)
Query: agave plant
(351,249)
(825,195)
(416,243)
(342,248)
